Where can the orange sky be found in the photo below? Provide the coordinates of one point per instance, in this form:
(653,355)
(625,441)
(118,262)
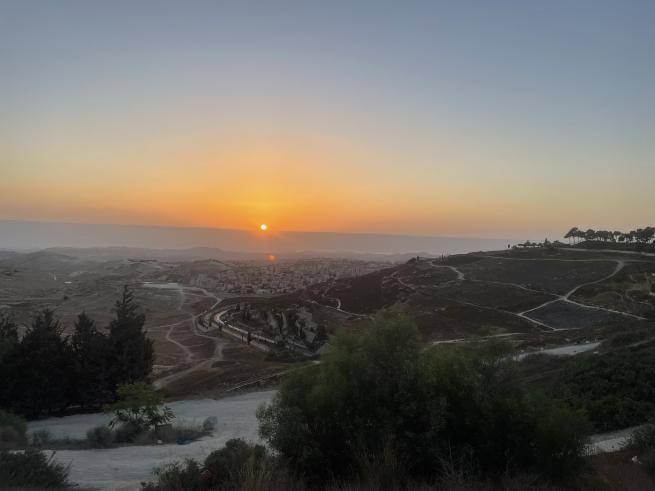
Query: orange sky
(288,182)
(419,119)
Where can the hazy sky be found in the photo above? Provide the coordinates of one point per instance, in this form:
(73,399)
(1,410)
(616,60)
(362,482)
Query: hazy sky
(484,118)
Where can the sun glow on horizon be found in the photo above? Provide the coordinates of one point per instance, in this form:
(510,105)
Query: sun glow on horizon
(263,227)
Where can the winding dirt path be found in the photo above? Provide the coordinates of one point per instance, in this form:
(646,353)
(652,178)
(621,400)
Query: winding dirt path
(204,364)
(620,264)
(188,355)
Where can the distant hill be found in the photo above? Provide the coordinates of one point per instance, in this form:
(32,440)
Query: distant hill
(200,253)
(212,243)
(532,296)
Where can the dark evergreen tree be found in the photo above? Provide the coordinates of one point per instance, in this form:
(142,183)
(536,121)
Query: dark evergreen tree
(91,350)
(131,349)
(40,368)
(8,335)
(8,343)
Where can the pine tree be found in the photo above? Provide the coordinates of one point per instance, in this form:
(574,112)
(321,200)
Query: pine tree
(8,343)
(131,349)
(42,368)
(8,335)
(91,351)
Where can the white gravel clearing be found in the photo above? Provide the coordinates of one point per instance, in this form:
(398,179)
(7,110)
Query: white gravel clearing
(565,350)
(610,442)
(125,468)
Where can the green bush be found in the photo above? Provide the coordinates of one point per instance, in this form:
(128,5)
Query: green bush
(126,433)
(32,468)
(12,430)
(238,465)
(226,466)
(176,477)
(209,424)
(616,390)
(100,437)
(186,433)
(139,405)
(378,393)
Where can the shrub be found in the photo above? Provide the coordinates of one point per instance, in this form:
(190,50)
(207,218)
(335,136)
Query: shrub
(32,468)
(643,438)
(617,390)
(140,405)
(209,424)
(176,477)
(378,389)
(129,433)
(625,338)
(126,433)
(100,437)
(183,433)
(226,465)
(146,437)
(41,438)
(12,430)
(238,465)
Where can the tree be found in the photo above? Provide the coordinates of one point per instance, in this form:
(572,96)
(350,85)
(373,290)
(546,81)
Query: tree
(8,334)
(8,343)
(604,235)
(140,406)
(41,368)
(590,234)
(92,372)
(379,402)
(572,234)
(644,235)
(131,349)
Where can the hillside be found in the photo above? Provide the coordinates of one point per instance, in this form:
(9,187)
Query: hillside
(535,296)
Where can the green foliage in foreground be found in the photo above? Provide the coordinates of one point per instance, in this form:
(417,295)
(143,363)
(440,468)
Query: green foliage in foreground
(48,372)
(616,390)
(32,469)
(381,404)
(238,465)
(140,406)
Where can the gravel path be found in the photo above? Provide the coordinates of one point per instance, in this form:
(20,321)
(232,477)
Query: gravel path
(125,467)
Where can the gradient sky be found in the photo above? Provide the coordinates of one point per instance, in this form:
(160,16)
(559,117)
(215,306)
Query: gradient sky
(484,118)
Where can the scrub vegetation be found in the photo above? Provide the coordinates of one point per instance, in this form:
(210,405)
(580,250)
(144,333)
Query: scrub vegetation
(381,411)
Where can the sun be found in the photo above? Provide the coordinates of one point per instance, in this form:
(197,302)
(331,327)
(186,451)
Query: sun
(263,227)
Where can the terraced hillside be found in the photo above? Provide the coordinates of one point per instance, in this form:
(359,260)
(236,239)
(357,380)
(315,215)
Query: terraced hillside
(535,296)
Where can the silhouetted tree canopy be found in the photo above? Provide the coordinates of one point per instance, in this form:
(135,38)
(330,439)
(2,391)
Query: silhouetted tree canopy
(379,396)
(47,372)
(132,351)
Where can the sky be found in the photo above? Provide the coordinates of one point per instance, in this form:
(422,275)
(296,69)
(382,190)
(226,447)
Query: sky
(459,118)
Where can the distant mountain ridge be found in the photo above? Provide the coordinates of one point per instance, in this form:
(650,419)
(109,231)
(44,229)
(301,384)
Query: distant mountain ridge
(42,235)
(204,253)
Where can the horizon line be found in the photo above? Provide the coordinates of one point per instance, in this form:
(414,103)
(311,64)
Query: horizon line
(246,230)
